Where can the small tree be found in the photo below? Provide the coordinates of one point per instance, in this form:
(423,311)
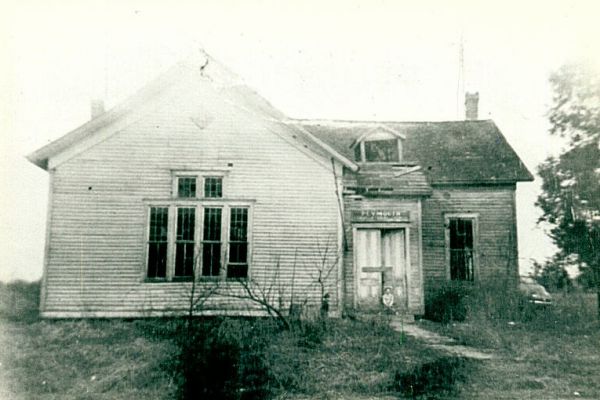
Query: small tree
(570,198)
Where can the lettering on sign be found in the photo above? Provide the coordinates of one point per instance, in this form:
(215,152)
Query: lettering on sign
(381,215)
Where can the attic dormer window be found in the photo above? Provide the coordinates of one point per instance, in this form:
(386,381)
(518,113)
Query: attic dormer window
(382,150)
(379,146)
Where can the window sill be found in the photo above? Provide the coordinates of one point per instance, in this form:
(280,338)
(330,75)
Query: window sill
(155,280)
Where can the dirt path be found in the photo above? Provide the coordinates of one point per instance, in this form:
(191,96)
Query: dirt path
(438,341)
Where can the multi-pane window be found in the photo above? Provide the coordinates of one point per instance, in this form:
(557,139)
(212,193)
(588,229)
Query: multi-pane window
(184,242)
(213,186)
(211,242)
(461,249)
(186,186)
(237,266)
(197,233)
(158,242)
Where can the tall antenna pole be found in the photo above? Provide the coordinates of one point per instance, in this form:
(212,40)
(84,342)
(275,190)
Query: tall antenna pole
(460,84)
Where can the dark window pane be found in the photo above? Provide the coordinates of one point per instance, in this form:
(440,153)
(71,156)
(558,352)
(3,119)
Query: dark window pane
(211,259)
(381,150)
(212,224)
(239,224)
(211,247)
(213,186)
(238,243)
(186,186)
(157,260)
(159,220)
(238,252)
(186,222)
(237,271)
(461,249)
(184,259)
(184,246)
(157,242)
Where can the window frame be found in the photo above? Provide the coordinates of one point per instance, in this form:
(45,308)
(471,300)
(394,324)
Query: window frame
(178,241)
(200,176)
(199,205)
(474,218)
(378,135)
(229,243)
(148,241)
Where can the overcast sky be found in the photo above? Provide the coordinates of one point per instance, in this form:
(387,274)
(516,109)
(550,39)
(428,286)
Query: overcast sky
(379,60)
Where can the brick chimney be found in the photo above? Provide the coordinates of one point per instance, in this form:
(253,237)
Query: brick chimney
(471,106)
(97,107)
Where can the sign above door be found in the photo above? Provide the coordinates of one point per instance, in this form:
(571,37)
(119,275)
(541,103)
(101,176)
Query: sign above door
(380,215)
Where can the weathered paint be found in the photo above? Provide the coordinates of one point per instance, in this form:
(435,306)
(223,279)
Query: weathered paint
(100,197)
(396,206)
(496,241)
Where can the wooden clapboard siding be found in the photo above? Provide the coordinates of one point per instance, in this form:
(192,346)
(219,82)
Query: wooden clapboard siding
(496,244)
(414,269)
(100,196)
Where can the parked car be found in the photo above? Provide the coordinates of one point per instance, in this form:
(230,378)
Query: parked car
(534,292)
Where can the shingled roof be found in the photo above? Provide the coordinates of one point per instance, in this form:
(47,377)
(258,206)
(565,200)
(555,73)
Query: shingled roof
(458,152)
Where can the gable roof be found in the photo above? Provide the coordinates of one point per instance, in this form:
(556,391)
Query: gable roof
(206,67)
(459,152)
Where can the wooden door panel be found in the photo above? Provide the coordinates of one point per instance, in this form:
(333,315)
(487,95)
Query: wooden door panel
(368,254)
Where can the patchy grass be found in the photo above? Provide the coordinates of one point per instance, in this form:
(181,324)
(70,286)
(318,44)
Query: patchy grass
(135,359)
(553,353)
(355,358)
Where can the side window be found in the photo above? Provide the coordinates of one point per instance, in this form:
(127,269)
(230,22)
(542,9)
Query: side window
(213,187)
(158,242)
(461,248)
(237,266)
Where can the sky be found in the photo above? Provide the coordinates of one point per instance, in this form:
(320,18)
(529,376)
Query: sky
(369,60)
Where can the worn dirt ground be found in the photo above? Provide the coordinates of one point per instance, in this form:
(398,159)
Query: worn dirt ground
(439,342)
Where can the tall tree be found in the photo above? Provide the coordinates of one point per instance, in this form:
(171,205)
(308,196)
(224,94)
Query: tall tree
(570,199)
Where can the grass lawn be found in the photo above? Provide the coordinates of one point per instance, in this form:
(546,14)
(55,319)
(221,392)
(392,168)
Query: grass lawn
(551,356)
(553,353)
(131,359)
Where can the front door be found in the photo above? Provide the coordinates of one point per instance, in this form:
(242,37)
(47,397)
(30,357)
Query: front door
(380,258)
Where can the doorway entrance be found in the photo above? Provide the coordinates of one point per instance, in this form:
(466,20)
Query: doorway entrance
(380,259)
